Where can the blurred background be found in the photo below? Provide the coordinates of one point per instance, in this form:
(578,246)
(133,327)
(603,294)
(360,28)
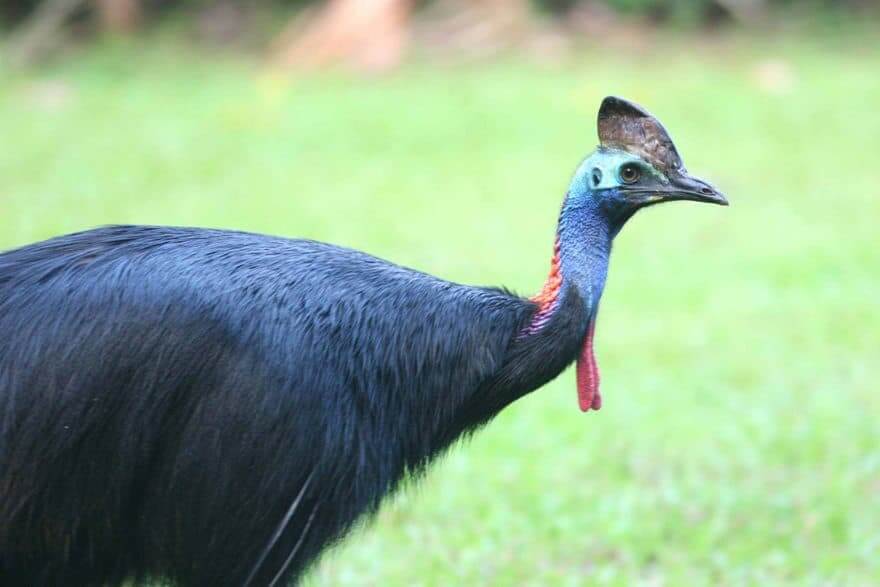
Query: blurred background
(738,444)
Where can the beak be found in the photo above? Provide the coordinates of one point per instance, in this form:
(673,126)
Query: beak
(685,187)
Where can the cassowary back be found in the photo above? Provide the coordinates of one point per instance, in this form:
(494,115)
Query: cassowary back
(166,392)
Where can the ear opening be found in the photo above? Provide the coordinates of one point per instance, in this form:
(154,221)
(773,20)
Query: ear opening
(626,125)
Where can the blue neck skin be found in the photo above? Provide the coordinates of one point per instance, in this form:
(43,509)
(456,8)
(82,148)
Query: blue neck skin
(587,225)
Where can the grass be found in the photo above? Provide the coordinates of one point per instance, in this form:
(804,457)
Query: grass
(739,440)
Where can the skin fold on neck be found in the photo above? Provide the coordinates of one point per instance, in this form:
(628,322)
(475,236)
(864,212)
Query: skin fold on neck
(580,261)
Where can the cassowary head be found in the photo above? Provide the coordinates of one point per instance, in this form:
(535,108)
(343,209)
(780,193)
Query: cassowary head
(636,165)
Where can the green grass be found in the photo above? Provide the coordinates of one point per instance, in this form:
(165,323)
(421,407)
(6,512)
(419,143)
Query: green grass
(740,347)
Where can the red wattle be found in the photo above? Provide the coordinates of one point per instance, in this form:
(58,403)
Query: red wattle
(588,374)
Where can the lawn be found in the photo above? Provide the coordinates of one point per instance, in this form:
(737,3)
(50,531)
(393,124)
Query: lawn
(739,442)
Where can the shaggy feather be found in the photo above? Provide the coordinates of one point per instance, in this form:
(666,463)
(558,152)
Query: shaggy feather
(166,392)
(213,408)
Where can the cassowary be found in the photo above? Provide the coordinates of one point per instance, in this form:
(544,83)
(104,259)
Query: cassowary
(207,407)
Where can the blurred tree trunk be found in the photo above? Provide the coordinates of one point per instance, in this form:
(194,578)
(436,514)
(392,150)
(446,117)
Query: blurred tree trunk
(42,32)
(475,27)
(367,34)
(119,16)
(745,11)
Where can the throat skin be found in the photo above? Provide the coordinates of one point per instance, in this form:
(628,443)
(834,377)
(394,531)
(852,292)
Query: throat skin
(579,267)
(585,235)
(580,257)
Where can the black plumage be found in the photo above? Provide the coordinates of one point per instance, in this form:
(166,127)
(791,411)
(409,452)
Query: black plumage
(214,408)
(168,392)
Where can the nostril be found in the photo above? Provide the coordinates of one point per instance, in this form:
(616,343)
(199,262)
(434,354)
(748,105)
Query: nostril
(707,191)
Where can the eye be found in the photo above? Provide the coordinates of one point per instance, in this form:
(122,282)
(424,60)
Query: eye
(630,173)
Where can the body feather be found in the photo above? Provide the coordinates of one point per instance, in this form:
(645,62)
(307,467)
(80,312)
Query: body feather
(166,392)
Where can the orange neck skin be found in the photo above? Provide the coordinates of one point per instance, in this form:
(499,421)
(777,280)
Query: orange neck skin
(550,292)
(548,298)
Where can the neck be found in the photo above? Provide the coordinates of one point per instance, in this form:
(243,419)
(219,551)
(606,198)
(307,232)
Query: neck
(580,259)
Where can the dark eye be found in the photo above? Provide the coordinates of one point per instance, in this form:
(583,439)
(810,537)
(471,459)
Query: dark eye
(629,173)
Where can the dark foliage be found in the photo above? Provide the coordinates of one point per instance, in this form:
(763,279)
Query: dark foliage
(166,394)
